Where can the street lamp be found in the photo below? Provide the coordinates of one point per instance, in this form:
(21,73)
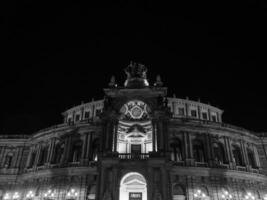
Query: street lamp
(8,196)
(29,195)
(49,194)
(72,194)
(249,196)
(199,194)
(226,195)
(16,195)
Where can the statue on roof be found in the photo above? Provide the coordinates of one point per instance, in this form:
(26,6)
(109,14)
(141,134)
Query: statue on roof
(136,70)
(136,75)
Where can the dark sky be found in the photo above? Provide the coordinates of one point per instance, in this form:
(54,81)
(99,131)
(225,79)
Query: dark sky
(57,54)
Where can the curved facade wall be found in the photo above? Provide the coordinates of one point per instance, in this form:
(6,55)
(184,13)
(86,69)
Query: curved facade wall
(193,154)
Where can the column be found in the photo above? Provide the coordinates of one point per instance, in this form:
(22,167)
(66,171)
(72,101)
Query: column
(209,115)
(226,150)
(115,136)
(82,113)
(37,155)
(210,150)
(89,146)
(256,156)
(51,150)
(185,146)
(244,153)
(189,149)
(107,134)
(153,136)
(2,152)
(187,109)
(66,150)
(199,112)
(19,157)
(190,146)
(29,157)
(230,150)
(85,143)
(160,134)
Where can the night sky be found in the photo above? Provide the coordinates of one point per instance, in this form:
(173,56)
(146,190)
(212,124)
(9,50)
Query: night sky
(57,54)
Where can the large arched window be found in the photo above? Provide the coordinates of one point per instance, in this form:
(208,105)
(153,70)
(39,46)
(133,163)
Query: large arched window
(58,153)
(178,192)
(251,158)
(237,155)
(176,150)
(199,151)
(76,151)
(219,154)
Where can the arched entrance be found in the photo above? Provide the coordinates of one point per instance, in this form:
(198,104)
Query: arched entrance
(133,186)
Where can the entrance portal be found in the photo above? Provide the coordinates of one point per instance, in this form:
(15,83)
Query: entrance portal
(133,186)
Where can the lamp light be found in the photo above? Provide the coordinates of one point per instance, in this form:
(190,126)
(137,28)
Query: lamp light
(226,195)
(72,193)
(199,194)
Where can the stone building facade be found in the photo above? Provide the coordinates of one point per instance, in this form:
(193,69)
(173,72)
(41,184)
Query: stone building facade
(136,144)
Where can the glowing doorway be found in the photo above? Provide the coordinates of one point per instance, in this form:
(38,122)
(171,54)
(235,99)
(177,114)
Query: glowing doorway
(133,186)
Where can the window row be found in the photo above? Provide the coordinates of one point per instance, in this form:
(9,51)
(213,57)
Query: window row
(194,113)
(62,153)
(218,153)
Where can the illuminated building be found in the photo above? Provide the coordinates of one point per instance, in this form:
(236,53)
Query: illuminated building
(136,143)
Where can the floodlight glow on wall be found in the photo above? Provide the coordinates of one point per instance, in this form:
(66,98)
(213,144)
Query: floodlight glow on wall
(72,193)
(200,194)
(50,194)
(7,196)
(16,195)
(29,195)
(226,195)
(249,196)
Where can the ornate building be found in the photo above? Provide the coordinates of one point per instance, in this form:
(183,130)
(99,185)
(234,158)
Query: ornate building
(136,144)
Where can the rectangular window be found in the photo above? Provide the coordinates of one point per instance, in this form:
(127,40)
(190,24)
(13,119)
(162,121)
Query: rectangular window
(193,113)
(86,114)
(214,118)
(77,117)
(181,111)
(204,116)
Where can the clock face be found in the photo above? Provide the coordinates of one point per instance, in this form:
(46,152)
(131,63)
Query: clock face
(134,110)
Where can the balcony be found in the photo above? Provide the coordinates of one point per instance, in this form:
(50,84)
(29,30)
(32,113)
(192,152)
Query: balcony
(133,156)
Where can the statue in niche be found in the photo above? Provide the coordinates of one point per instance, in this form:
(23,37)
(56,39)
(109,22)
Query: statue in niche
(135,70)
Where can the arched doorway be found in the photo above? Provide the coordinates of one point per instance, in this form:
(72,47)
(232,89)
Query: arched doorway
(133,186)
